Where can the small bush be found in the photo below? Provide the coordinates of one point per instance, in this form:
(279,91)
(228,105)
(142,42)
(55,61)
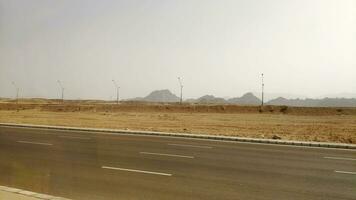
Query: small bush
(276,137)
(284,109)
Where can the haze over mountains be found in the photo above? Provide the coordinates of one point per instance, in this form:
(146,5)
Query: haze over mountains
(249,99)
(325,102)
(159,96)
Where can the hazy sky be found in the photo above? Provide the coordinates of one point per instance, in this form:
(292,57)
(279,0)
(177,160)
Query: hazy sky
(304,47)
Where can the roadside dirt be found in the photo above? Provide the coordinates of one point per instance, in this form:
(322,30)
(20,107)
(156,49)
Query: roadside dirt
(304,124)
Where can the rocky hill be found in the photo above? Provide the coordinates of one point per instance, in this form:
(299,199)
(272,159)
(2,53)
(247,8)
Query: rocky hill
(250,99)
(160,96)
(211,99)
(246,99)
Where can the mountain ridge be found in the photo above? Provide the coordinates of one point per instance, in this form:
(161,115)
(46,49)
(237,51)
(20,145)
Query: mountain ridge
(249,98)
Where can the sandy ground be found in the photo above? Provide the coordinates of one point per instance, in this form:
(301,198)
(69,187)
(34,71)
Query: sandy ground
(303,127)
(13,196)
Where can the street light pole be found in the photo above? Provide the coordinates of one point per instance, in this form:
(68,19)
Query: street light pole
(62,90)
(117,91)
(181,90)
(263,87)
(17,91)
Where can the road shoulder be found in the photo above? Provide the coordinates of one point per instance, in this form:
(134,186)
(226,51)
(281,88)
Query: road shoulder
(186,135)
(9,193)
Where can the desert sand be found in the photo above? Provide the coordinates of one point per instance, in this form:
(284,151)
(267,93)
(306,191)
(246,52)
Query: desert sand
(281,122)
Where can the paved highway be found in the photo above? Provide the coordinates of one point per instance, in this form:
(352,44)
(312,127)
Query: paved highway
(92,166)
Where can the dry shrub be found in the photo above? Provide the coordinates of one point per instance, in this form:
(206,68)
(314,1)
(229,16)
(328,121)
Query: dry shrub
(283,109)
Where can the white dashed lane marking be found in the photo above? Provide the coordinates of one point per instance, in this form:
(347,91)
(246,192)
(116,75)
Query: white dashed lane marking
(169,155)
(137,171)
(38,143)
(189,145)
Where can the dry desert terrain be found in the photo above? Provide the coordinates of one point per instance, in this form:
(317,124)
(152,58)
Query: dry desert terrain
(291,123)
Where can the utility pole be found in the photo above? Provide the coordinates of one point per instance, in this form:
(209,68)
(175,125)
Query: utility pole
(181,90)
(62,90)
(17,91)
(117,91)
(263,87)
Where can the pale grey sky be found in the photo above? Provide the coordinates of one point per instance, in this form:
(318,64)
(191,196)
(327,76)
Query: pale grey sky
(304,47)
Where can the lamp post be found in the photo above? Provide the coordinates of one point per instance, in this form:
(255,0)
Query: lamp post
(117,91)
(62,90)
(263,87)
(17,91)
(181,89)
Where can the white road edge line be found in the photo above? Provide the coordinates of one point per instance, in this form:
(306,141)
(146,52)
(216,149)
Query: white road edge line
(135,170)
(74,137)
(340,158)
(164,154)
(188,145)
(39,143)
(344,172)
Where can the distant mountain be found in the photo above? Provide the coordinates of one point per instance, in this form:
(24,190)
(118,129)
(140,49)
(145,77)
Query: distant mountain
(160,96)
(337,102)
(211,99)
(191,100)
(269,96)
(326,102)
(135,99)
(249,99)
(282,101)
(339,95)
(246,99)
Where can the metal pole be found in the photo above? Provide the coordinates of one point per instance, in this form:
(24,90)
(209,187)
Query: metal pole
(63,95)
(17,95)
(62,90)
(117,91)
(17,91)
(263,86)
(181,90)
(181,94)
(118,95)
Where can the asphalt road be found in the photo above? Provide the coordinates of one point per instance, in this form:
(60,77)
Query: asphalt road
(91,166)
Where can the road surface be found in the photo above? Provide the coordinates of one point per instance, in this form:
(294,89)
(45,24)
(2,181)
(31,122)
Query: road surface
(92,166)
